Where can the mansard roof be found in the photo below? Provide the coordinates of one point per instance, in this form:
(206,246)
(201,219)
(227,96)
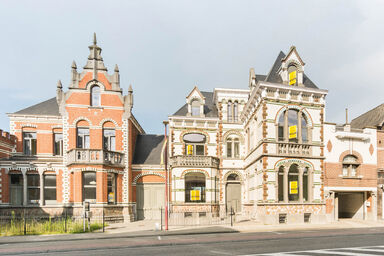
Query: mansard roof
(45,108)
(148,149)
(372,118)
(210,109)
(274,77)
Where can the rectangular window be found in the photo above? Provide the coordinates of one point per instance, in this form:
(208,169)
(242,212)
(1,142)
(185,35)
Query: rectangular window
(82,138)
(33,183)
(89,186)
(229,148)
(194,149)
(16,189)
(58,144)
(111,188)
(29,143)
(50,188)
(109,139)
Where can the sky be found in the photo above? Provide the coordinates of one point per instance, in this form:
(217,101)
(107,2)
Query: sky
(165,48)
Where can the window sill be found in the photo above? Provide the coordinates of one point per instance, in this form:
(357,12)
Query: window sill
(352,177)
(94,107)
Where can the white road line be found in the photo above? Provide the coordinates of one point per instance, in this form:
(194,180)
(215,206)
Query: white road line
(359,250)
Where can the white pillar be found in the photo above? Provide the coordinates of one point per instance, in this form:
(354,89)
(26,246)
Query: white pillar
(41,189)
(25,191)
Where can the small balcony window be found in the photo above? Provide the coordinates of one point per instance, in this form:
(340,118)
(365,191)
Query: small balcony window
(109,139)
(83,138)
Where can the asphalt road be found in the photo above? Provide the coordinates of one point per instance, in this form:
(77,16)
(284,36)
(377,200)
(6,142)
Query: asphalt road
(367,241)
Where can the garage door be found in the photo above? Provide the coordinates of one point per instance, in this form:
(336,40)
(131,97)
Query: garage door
(149,200)
(351,205)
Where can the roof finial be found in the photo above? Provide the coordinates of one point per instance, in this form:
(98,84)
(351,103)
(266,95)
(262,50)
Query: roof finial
(130,88)
(346,116)
(94,38)
(74,65)
(116,68)
(59,85)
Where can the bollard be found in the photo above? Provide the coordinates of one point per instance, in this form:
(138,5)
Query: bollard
(103,220)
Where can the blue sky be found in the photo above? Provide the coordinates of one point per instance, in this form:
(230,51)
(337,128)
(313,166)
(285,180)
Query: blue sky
(165,48)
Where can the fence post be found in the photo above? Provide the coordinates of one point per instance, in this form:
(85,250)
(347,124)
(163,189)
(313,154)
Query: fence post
(161,218)
(231,216)
(103,220)
(65,221)
(25,224)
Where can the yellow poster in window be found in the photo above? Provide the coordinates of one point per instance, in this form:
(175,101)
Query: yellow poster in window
(190,150)
(292,78)
(195,195)
(293,187)
(293,132)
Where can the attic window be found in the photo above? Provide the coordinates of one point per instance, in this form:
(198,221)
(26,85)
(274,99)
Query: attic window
(292,75)
(195,108)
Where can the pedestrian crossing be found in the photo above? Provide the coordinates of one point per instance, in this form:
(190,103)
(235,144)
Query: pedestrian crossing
(352,251)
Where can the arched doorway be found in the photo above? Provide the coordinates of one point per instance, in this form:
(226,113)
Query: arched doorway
(233,193)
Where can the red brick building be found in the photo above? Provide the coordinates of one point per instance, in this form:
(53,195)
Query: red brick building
(75,147)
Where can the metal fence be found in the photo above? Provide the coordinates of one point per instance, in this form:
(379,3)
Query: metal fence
(197,218)
(25,224)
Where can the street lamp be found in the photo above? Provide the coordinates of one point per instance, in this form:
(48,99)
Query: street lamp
(166,173)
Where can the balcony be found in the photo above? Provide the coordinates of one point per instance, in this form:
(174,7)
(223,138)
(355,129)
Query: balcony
(293,149)
(195,161)
(95,156)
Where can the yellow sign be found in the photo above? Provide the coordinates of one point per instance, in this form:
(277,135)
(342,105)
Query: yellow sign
(293,132)
(293,187)
(292,78)
(190,150)
(195,195)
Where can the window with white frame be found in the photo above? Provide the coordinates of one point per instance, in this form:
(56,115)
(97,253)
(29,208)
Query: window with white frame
(95,96)
(232,111)
(29,143)
(111,184)
(194,187)
(33,183)
(194,144)
(233,147)
(89,186)
(49,188)
(195,108)
(109,139)
(292,126)
(58,144)
(82,137)
(350,165)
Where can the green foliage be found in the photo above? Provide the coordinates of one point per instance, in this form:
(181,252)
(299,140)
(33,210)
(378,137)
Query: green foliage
(15,226)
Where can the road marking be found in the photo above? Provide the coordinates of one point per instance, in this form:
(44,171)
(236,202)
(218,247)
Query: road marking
(220,253)
(278,233)
(351,251)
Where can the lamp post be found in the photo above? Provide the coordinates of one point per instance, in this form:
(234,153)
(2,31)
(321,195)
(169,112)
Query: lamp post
(166,173)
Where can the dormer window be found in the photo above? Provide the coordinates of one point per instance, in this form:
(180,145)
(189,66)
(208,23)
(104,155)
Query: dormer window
(195,108)
(95,96)
(292,75)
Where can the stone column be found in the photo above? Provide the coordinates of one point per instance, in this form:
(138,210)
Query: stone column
(41,189)
(285,186)
(25,189)
(301,170)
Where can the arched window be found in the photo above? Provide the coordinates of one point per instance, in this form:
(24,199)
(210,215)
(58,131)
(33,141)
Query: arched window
(195,105)
(292,75)
(281,129)
(95,96)
(293,183)
(194,187)
(350,164)
(194,144)
(235,111)
(229,112)
(292,126)
(281,184)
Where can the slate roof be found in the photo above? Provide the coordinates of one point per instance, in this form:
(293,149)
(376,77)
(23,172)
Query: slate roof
(274,77)
(210,109)
(48,107)
(148,149)
(374,117)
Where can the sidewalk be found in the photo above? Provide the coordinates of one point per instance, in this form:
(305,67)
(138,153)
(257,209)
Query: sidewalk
(150,228)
